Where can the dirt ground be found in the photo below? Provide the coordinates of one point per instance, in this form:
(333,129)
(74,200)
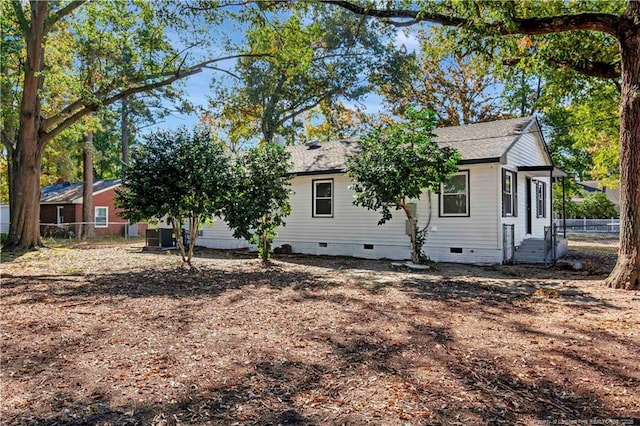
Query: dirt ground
(108,334)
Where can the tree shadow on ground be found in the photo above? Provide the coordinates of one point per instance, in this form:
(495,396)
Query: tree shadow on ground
(498,293)
(272,390)
(275,387)
(438,377)
(177,283)
(281,391)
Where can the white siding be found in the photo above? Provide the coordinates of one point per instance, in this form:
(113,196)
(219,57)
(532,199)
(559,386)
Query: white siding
(347,231)
(480,229)
(537,224)
(476,238)
(220,236)
(529,151)
(351,227)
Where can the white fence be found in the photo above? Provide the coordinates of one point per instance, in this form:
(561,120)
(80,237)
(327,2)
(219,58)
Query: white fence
(611,226)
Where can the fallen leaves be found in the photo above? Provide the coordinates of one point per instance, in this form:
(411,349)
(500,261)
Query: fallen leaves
(308,341)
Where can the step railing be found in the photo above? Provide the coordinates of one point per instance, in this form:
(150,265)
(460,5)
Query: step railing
(508,244)
(550,244)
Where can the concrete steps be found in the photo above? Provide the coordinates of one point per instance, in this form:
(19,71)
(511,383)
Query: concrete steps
(530,250)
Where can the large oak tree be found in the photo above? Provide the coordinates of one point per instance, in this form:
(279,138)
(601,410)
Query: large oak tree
(33,116)
(317,57)
(560,25)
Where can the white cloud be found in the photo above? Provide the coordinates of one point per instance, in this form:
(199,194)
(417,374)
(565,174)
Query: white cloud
(407,39)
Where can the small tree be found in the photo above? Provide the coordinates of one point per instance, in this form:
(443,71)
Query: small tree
(178,176)
(398,162)
(597,206)
(563,199)
(260,200)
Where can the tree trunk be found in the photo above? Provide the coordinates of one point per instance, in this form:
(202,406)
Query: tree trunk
(24,231)
(125,130)
(415,255)
(626,273)
(194,223)
(264,240)
(88,227)
(177,231)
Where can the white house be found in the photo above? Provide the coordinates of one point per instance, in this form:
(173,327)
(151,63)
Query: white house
(500,198)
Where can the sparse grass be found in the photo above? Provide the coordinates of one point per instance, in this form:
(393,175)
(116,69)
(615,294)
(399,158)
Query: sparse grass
(593,244)
(109,334)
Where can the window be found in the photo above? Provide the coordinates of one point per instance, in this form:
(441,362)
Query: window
(509,193)
(541,198)
(454,195)
(59,215)
(323,198)
(101,217)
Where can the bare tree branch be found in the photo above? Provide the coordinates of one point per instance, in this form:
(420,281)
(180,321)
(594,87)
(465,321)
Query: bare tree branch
(606,70)
(79,104)
(413,15)
(604,22)
(299,111)
(63,12)
(22,20)
(87,109)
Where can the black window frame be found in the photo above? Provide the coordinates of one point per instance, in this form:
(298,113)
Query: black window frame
(314,198)
(509,200)
(541,199)
(441,196)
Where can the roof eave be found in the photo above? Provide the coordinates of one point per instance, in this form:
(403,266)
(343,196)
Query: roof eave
(500,160)
(54,202)
(318,172)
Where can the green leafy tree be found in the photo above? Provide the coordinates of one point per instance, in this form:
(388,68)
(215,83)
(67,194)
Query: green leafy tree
(308,59)
(180,176)
(260,195)
(398,162)
(585,132)
(460,86)
(599,39)
(597,206)
(44,85)
(334,121)
(563,203)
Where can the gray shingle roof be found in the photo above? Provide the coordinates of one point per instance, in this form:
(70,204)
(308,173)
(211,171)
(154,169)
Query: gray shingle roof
(482,140)
(475,142)
(67,192)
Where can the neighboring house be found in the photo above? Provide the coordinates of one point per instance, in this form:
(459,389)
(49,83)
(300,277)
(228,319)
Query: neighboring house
(501,193)
(591,186)
(61,209)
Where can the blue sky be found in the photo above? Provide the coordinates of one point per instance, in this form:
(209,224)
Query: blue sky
(197,89)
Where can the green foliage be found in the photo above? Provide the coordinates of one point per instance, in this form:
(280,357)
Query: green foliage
(117,46)
(334,121)
(540,74)
(4,178)
(459,85)
(571,191)
(398,162)
(597,206)
(301,59)
(176,175)
(261,193)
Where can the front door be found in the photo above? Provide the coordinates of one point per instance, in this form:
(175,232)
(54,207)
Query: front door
(527,201)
